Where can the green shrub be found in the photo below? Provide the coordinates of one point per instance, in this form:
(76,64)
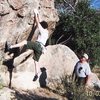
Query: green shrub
(73,92)
(67,87)
(80,31)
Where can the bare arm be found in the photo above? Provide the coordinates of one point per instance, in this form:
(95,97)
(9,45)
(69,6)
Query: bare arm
(88,74)
(37,19)
(87,77)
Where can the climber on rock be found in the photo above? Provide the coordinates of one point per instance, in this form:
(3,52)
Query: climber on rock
(39,45)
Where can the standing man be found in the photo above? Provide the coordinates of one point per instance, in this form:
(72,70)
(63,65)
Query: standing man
(82,70)
(39,45)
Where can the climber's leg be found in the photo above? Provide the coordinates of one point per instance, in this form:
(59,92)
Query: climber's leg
(19,44)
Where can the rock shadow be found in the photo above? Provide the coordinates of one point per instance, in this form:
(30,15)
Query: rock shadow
(30,96)
(11,54)
(31,34)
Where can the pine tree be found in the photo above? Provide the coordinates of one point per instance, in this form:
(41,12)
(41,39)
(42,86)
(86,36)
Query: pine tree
(83,28)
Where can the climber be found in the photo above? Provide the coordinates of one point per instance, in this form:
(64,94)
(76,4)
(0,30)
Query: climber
(39,45)
(82,71)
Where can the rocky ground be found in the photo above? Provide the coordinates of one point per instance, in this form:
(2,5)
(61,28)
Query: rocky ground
(97,71)
(38,94)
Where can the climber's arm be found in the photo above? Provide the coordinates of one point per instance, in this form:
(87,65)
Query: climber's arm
(37,19)
(36,16)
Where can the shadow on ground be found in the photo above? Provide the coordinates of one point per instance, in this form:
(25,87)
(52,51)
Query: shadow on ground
(30,96)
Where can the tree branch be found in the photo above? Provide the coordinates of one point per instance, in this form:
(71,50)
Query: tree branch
(59,39)
(70,5)
(64,42)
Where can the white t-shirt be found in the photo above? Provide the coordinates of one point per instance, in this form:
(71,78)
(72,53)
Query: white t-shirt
(43,36)
(83,69)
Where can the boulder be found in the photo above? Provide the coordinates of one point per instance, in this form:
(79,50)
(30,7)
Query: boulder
(58,60)
(17,19)
(16,25)
(6,94)
(94,81)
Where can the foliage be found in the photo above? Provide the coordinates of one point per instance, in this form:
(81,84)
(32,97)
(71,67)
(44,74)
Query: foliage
(68,88)
(65,6)
(73,92)
(83,28)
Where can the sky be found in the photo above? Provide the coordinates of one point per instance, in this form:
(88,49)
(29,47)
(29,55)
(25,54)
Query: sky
(95,4)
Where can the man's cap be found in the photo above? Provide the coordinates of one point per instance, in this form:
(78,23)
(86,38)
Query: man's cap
(86,56)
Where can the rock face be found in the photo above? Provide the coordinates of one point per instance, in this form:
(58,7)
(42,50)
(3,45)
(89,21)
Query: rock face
(94,81)
(17,24)
(58,61)
(17,19)
(6,94)
(38,94)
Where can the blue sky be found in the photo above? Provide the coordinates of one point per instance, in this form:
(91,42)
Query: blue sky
(95,4)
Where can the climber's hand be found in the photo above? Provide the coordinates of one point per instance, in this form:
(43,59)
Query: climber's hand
(36,12)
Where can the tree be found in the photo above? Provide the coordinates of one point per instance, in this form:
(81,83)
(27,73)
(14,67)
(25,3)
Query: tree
(81,31)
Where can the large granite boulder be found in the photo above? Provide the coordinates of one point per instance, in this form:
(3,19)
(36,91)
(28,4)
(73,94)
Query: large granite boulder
(94,81)
(17,19)
(6,94)
(58,60)
(17,24)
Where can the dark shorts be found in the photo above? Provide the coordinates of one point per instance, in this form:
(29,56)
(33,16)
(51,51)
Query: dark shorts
(36,46)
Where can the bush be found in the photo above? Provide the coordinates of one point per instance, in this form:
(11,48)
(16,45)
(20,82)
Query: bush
(80,31)
(72,92)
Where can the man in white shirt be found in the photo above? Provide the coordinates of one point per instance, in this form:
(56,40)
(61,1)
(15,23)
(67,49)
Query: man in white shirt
(82,70)
(39,45)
